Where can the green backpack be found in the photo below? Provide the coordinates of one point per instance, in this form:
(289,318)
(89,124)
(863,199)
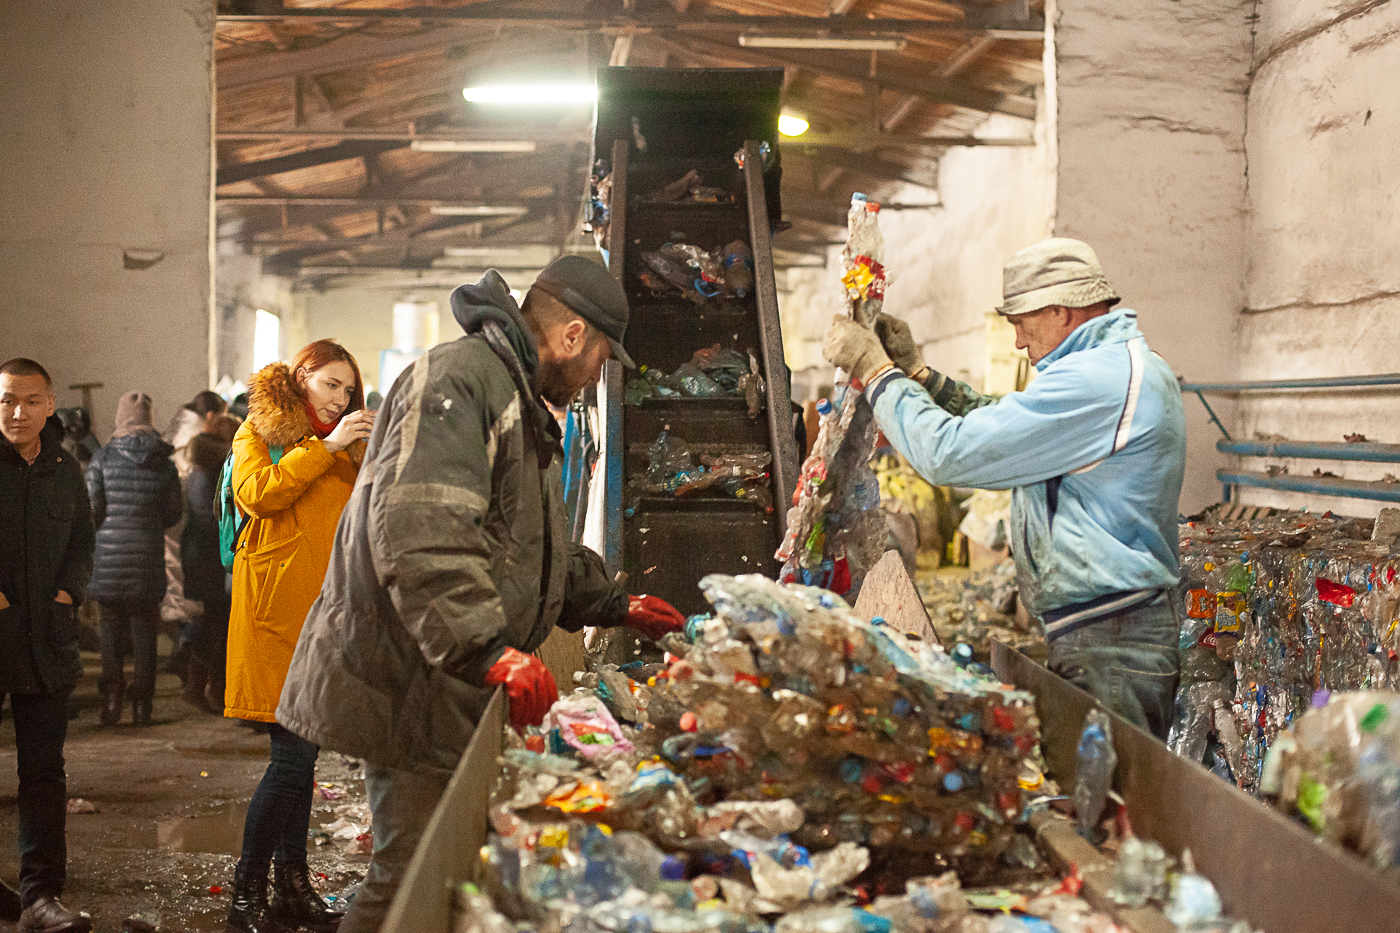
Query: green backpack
(231,518)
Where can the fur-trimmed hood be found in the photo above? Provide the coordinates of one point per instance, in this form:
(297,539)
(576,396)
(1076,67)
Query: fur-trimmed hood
(277,412)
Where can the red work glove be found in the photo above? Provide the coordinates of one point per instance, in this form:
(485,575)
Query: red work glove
(529,684)
(653,616)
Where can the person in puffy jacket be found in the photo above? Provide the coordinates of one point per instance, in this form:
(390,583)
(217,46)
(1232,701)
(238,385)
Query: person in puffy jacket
(135,494)
(1094,451)
(203,574)
(313,412)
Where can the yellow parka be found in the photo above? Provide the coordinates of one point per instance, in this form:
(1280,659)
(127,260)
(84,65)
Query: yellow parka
(293,508)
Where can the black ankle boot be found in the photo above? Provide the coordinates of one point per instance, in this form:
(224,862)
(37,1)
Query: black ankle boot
(249,912)
(295,902)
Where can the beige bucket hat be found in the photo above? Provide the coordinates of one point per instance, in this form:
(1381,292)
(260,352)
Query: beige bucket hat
(1057,271)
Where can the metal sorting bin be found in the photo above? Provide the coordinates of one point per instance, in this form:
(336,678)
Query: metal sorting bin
(1268,870)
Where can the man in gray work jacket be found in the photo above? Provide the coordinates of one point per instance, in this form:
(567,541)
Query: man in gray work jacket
(453,561)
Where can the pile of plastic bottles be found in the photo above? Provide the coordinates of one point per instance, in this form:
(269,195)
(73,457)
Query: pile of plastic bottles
(713,372)
(1277,611)
(698,274)
(1338,771)
(672,471)
(979,609)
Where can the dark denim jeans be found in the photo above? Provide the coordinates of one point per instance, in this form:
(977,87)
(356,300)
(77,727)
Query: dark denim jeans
(141,619)
(1129,662)
(41,726)
(279,815)
(209,640)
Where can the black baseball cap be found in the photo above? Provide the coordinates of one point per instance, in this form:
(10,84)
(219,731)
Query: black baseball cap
(591,292)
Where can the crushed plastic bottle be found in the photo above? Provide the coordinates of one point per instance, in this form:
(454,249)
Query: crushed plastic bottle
(1193,902)
(1094,773)
(1141,873)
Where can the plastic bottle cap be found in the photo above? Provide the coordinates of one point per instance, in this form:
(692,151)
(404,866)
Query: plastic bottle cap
(823,406)
(953,782)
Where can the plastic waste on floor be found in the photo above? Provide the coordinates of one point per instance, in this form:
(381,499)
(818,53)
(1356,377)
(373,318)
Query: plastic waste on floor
(1275,610)
(1193,903)
(835,533)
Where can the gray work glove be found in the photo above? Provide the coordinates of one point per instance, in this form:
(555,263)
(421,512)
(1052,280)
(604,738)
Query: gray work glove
(854,348)
(899,343)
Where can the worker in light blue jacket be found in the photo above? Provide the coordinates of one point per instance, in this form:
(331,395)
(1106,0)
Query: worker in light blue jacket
(1093,450)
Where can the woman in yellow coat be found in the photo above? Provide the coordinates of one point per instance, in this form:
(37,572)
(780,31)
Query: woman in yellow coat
(295,463)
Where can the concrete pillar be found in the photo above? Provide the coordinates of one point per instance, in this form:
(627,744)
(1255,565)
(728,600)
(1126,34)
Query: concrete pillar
(1151,116)
(105,244)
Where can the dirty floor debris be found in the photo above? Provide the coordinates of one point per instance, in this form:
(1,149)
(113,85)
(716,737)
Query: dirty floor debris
(170,802)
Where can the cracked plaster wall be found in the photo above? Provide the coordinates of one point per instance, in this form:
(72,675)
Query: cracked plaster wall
(1152,174)
(107,110)
(1323,284)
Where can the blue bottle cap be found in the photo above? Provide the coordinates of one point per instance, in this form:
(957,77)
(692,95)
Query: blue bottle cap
(672,868)
(850,770)
(953,782)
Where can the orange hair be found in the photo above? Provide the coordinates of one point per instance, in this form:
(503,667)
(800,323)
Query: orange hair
(320,353)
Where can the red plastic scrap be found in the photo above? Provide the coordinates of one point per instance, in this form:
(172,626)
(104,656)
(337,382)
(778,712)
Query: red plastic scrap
(1073,882)
(1337,593)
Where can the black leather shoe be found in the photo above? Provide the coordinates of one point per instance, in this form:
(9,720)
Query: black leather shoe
(112,708)
(249,912)
(141,712)
(10,906)
(47,915)
(295,901)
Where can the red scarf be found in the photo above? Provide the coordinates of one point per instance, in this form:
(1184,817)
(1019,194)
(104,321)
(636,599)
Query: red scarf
(322,429)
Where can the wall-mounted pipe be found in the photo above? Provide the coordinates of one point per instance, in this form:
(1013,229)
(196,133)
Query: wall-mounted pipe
(1365,451)
(1337,382)
(1319,485)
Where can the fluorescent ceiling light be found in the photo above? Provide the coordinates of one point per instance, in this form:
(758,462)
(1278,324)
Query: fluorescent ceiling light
(476,210)
(531,94)
(867,43)
(472,145)
(791,125)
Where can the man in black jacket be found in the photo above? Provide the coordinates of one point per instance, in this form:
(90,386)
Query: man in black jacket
(45,562)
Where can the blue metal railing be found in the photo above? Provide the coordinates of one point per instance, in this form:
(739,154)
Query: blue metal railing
(1321,485)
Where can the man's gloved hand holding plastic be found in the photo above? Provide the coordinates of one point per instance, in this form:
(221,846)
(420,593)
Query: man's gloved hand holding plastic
(898,342)
(530,685)
(854,348)
(653,617)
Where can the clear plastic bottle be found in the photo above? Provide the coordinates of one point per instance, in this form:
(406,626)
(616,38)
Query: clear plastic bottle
(864,237)
(738,269)
(1094,774)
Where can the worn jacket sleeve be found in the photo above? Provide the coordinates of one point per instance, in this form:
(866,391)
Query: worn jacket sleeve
(954,397)
(432,489)
(173,505)
(96,492)
(590,598)
(75,570)
(263,488)
(1064,421)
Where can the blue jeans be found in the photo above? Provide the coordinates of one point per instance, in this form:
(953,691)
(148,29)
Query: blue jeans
(41,726)
(1129,662)
(279,815)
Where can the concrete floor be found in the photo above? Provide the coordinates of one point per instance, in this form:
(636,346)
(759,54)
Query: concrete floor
(171,802)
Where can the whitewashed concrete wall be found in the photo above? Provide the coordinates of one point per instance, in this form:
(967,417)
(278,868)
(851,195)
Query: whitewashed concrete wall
(241,289)
(1152,174)
(945,262)
(107,116)
(362,320)
(1324,233)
